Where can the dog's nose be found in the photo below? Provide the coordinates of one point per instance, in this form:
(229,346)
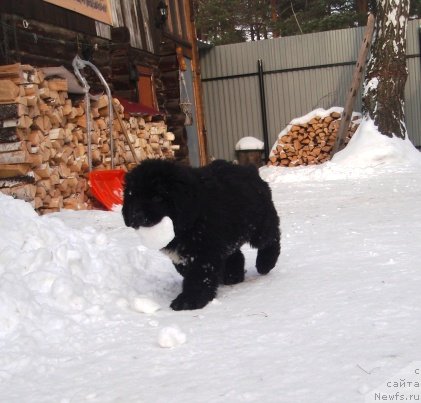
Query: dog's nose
(129,215)
(134,218)
(127,219)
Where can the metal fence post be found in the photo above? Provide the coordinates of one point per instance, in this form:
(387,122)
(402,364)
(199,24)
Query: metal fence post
(263,108)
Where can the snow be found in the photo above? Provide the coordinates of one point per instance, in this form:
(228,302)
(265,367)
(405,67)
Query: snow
(84,304)
(145,305)
(370,148)
(391,18)
(249,143)
(371,85)
(171,336)
(158,236)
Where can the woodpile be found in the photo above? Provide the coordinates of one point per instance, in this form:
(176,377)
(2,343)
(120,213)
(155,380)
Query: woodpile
(43,140)
(310,142)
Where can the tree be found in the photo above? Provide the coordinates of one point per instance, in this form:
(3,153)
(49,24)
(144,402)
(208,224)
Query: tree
(386,74)
(217,21)
(231,21)
(306,16)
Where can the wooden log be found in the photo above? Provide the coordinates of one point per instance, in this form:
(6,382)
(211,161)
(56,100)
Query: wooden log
(41,191)
(12,111)
(31,89)
(55,203)
(10,170)
(58,84)
(31,148)
(56,134)
(9,91)
(37,202)
(43,171)
(12,134)
(56,118)
(23,122)
(44,211)
(169,136)
(16,180)
(67,107)
(24,192)
(8,147)
(13,72)
(44,93)
(75,202)
(20,157)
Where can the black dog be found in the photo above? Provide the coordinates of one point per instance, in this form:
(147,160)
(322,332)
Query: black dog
(215,210)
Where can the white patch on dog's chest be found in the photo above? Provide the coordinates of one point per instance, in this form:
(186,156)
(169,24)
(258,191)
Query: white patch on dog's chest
(174,256)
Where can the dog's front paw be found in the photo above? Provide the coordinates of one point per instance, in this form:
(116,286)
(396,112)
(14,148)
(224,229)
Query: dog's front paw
(185,302)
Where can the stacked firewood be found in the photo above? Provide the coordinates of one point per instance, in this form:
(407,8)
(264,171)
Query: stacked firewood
(43,140)
(309,142)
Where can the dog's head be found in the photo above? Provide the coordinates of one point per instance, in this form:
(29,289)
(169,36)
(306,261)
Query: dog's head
(155,189)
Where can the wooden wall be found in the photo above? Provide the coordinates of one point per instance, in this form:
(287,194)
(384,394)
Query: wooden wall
(40,34)
(170,93)
(41,44)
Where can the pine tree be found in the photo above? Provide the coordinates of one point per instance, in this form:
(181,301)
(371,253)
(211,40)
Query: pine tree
(386,74)
(217,21)
(231,21)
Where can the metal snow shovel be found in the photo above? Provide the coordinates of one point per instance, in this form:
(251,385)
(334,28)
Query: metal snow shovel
(106,185)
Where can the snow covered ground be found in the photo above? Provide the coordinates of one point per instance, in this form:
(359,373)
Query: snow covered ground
(84,313)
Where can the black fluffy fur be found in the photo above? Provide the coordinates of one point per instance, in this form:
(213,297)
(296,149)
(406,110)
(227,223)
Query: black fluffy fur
(215,210)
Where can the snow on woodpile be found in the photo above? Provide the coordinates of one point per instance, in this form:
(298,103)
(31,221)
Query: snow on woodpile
(309,140)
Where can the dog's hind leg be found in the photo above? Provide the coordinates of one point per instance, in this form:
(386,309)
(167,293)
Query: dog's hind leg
(267,257)
(233,270)
(199,286)
(267,241)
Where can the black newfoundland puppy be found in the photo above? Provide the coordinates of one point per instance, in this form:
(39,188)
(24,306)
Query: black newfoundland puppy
(215,210)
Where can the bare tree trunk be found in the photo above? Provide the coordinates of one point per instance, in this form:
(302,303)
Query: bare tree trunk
(362,6)
(274,17)
(383,98)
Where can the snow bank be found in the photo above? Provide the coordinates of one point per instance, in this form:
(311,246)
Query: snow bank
(53,275)
(369,148)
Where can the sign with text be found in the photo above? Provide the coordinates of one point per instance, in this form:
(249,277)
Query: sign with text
(403,386)
(98,10)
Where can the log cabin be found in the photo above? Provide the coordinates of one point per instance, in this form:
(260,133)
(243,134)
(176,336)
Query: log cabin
(146,50)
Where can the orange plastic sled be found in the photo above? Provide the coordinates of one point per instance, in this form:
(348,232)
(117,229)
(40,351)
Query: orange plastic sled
(107,187)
